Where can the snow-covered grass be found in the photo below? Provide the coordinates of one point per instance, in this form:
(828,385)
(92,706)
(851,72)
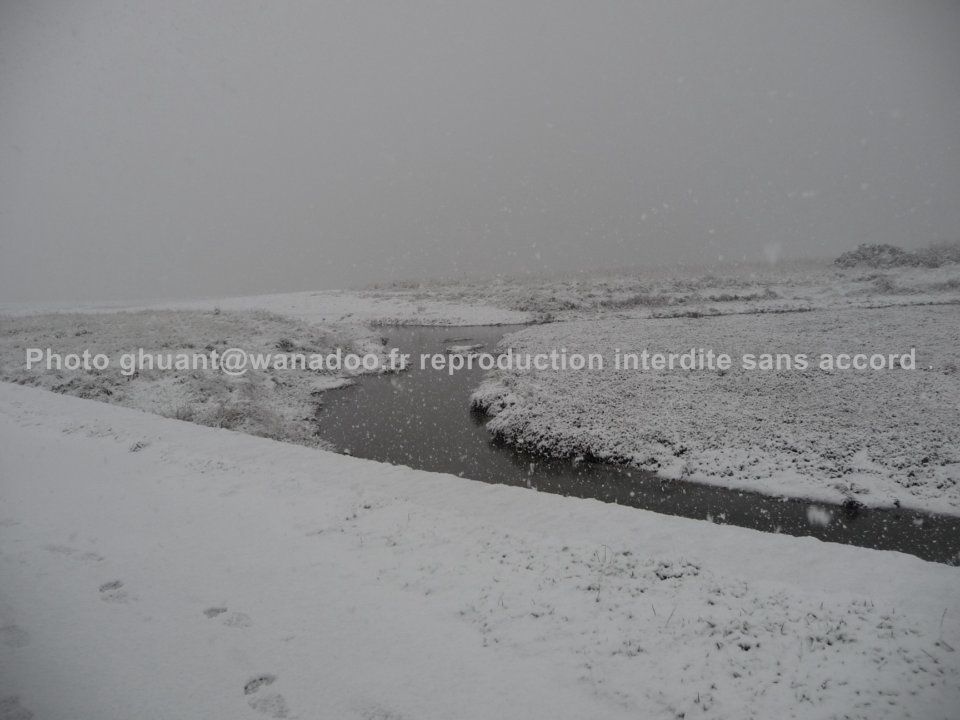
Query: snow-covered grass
(149,568)
(657,292)
(328,307)
(632,292)
(153,568)
(279,404)
(822,436)
(809,434)
(882,437)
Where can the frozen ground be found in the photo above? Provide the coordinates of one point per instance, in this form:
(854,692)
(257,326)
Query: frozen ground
(280,404)
(150,568)
(880,437)
(337,307)
(635,292)
(722,290)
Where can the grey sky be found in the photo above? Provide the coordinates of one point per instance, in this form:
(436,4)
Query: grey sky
(171,148)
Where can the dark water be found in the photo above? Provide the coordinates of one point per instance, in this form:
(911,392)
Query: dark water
(422,419)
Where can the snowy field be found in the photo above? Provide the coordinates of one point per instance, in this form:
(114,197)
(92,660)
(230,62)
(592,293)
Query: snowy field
(153,568)
(156,569)
(880,437)
(279,404)
(822,436)
(720,290)
(639,292)
(339,307)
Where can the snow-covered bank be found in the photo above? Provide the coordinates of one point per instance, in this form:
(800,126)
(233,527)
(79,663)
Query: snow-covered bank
(149,568)
(279,404)
(881,437)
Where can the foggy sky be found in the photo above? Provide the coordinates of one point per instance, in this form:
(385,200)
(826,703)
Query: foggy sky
(156,149)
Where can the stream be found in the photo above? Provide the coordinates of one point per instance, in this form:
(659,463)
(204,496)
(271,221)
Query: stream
(422,419)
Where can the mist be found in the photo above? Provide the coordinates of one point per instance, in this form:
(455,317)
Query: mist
(172,149)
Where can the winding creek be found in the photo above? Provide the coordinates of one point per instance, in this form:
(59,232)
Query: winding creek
(422,419)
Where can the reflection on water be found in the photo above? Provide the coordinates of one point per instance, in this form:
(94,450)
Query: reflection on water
(422,419)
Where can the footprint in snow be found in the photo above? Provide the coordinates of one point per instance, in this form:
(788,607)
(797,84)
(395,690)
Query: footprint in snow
(113,592)
(272,704)
(258,682)
(230,619)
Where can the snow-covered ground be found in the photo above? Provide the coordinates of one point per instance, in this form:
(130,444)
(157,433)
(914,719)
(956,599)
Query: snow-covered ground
(634,292)
(882,437)
(340,307)
(280,404)
(150,568)
(721,290)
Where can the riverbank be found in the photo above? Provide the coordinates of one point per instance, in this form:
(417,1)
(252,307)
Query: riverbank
(267,402)
(833,437)
(194,572)
(417,419)
(881,438)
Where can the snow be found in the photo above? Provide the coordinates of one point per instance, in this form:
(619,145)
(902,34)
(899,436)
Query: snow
(323,384)
(273,403)
(818,515)
(467,349)
(152,568)
(356,307)
(826,437)
(631,292)
(677,291)
(883,438)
